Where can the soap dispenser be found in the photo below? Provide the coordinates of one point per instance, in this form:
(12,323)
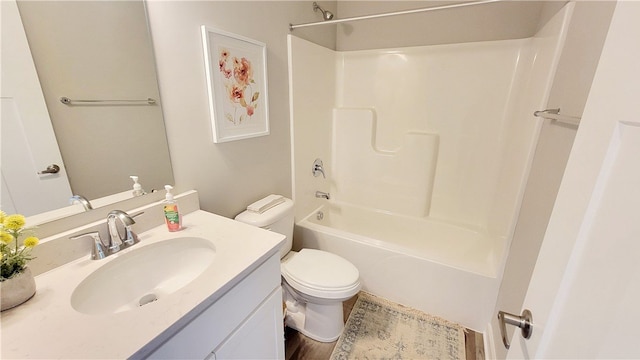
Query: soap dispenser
(171,214)
(137,188)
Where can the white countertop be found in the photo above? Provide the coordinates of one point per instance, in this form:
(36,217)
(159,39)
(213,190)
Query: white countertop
(48,327)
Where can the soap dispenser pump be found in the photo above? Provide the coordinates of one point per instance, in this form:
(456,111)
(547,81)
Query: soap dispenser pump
(171,214)
(137,188)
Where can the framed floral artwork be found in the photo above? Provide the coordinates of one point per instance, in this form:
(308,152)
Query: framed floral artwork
(236,70)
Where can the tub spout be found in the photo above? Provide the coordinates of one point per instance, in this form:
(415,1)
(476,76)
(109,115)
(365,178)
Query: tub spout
(322,195)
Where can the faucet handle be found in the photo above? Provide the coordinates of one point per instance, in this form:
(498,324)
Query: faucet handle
(318,168)
(97,250)
(131,237)
(137,214)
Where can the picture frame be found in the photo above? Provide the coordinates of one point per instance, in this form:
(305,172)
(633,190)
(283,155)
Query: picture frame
(236,71)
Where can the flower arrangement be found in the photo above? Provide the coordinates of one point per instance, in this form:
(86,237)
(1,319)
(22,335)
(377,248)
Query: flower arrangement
(15,256)
(238,81)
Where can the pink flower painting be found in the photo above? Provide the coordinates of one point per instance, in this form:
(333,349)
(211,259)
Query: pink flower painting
(236,69)
(237,75)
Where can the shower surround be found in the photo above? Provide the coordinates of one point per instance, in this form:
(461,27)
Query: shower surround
(427,150)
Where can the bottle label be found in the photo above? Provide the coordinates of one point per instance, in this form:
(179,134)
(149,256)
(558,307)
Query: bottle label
(171,213)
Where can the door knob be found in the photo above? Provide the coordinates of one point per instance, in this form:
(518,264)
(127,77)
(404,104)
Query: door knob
(524,322)
(51,169)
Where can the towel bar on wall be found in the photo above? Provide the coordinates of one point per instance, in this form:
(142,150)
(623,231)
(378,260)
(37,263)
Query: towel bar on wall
(554,114)
(148,101)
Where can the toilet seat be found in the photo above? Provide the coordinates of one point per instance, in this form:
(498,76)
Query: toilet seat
(320,274)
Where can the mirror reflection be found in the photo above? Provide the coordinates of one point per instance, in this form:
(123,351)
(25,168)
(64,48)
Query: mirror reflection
(90,50)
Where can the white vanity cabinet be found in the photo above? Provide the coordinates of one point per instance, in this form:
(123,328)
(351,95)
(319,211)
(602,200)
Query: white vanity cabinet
(245,323)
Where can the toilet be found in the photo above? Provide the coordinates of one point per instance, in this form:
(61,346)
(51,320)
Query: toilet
(314,282)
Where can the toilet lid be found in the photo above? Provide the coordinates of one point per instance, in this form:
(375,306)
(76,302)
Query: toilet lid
(320,270)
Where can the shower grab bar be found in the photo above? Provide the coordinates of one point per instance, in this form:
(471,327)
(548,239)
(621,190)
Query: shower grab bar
(65,100)
(395,13)
(554,114)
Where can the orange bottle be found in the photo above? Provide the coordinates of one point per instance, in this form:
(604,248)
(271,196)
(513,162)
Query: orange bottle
(171,214)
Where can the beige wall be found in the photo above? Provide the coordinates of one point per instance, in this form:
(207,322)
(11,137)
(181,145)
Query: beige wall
(496,21)
(228,176)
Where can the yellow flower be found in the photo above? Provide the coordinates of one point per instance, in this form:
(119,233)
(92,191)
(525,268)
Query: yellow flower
(14,222)
(2,216)
(5,237)
(31,241)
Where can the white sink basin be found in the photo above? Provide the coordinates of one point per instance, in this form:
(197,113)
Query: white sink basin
(143,275)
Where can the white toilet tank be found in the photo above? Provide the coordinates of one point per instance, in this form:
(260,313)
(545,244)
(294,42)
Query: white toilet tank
(274,213)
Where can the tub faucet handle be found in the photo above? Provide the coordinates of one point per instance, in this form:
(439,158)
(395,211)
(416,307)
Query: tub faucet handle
(318,169)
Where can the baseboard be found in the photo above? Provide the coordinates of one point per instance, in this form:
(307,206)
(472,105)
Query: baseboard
(489,343)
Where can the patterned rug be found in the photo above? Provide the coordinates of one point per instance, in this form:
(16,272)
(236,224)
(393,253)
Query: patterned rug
(380,329)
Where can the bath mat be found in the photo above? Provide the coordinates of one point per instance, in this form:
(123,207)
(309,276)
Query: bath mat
(380,329)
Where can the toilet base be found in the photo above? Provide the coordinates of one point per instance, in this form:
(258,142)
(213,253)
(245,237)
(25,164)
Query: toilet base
(322,323)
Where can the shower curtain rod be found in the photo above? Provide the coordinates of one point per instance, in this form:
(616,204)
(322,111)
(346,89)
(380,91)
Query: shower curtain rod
(404,12)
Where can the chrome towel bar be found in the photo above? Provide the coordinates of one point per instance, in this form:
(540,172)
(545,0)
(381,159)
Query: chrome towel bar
(148,101)
(554,114)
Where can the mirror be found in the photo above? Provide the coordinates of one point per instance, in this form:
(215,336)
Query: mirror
(95,50)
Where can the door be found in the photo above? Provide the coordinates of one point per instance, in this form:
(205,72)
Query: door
(584,292)
(28,144)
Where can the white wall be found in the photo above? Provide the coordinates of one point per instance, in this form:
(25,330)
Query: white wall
(27,141)
(481,140)
(231,175)
(442,90)
(585,37)
(313,86)
(584,290)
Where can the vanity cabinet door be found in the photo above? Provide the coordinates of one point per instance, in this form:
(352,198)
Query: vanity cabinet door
(261,336)
(255,301)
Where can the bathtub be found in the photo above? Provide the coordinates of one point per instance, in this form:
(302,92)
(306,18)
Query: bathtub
(440,268)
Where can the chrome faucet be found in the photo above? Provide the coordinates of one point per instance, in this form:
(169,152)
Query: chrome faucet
(323,195)
(82,200)
(100,250)
(115,239)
